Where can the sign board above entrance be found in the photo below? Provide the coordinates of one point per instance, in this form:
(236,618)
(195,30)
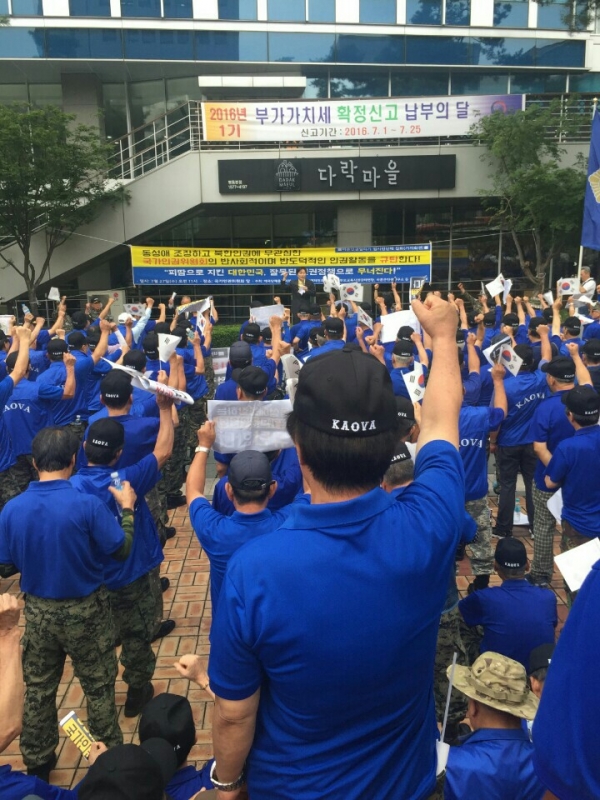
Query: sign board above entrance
(322,120)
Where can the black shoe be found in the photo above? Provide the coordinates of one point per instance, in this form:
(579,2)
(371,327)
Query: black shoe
(166,626)
(170,532)
(43,771)
(480,582)
(137,699)
(535,581)
(500,534)
(164,584)
(175,501)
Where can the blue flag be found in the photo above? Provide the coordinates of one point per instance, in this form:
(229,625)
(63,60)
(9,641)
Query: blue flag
(590,234)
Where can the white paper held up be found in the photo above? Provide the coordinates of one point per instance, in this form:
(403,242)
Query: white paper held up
(200,306)
(507,288)
(494,352)
(141,382)
(415,382)
(5,322)
(167,344)
(263,314)
(391,323)
(259,425)
(54,294)
(291,366)
(290,386)
(549,298)
(496,286)
(331,282)
(510,360)
(575,565)
(134,308)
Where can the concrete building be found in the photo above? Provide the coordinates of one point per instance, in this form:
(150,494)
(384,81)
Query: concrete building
(138,68)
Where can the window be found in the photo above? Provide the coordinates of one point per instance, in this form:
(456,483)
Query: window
(511,15)
(13,93)
(458,12)
(140,8)
(83,43)
(382,11)
(3,8)
(180,90)
(286,10)
(21,42)
(360,84)
(316,86)
(558,15)
(115,110)
(89,8)
(45,94)
(146,101)
(321,10)
(584,83)
(483,83)
(503,52)
(419,84)
(171,45)
(437,50)
(178,9)
(559,53)
(231,46)
(237,9)
(538,84)
(357,49)
(307,47)
(424,12)
(26,8)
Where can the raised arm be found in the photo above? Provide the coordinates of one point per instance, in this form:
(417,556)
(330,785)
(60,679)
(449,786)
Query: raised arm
(418,343)
(582,373)
(164,440)
(500,400)
(397,301)
(528,307)
(23,337)
(556,307)
(520,310)
(102,346)
(70,385)
(198,353)
(543,333)
(275,324)
(162,317)
(106,310)
(196,477)
(473,358)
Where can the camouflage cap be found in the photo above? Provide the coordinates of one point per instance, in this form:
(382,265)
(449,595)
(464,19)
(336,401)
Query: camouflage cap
(498,682)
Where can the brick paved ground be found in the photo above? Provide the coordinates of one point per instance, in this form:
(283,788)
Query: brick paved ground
(187,602)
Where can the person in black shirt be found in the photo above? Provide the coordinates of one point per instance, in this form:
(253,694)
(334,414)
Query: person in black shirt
(303,292)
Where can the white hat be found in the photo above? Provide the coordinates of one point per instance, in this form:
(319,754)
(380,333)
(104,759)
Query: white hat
(122,318)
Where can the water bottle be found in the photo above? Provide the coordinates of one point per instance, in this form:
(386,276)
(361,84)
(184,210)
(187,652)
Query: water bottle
(116,481)
(517,508)
(25,309)
(78,419)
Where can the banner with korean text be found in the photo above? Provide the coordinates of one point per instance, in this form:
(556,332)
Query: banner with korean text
(321,120)
(189,266)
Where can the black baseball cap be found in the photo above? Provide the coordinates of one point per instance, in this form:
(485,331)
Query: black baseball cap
(525,352)
(510,553)
(460,336)
(547,314)
(405,408)
(583,401)
(403,349)
(76,340)
(267,335)
(106,433)
(489,319)
(249,471)
(592,349)
(136,359)
(540,657)
(255,304)
(314,332)
(561,367)
(252,380)
(471,321)
(80,319)
(401,453)
(511,319)
(333,325)
(315,311)
(130,772)
(95,299)
(535,322)
(346,393)
(57,347)
(573,325)
(404,333)
(169,717)
(116,385)
(251,333)
(150,345)
(240,355)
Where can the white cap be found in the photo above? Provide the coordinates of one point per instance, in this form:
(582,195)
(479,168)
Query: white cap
(122,318)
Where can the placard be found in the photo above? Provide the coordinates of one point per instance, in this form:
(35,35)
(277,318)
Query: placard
(569,286)
(391,323)
(220,360)
(263,314)
(576,564)
(415,382)
(250,426)
(496,286)
(352,291)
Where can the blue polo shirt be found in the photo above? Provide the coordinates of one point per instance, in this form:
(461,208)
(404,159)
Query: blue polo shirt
(17,785)
(56,375)
(301,330)
(566,724)
(287,621)
(140,438)
(472,388)
(196,385)
(38,363)
(524,393)
(143,405)
(486,389)
(59,539)
(474,426)
(592,331)
(187,781)
(220,536)
(516,618)
(550,425)
(493,764)
(328,347)
(98,372)
(563,346)
(146,552)
(7,456)
(29,409)
(285,469)
(398,384)
(574,465)
(226,390)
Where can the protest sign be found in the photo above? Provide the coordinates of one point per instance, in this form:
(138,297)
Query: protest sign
(576,564)
(510,360)
(257,425)
(54,294)
(351,291)
(568,286)
(415,382)
(391,323)
(167,344)
(198,306)
(220,360)
(78,733)
(263,314)
(331,282)
(141,382)
(416,286)
(5,320)
(507,288)
(493,353)
(496,286)
(291,366)
(555,505)
(549,298)
(364,319)
(135,309)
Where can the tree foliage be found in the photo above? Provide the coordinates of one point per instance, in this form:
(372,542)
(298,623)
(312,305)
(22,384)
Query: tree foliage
(532,194)
(577,13)
(52,179)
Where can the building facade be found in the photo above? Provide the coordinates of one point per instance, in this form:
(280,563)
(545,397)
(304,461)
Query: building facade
(138,70)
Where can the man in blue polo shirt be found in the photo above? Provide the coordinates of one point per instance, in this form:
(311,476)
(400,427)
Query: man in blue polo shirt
(573,468)
(240,356)
(334,338)
(60,541)
(293,600)
(516,617)
(590,354)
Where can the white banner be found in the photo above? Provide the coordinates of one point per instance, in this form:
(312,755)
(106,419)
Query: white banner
(199,306)
(263,314)
(391,323)
(5,322)
(140,382)
(250,426)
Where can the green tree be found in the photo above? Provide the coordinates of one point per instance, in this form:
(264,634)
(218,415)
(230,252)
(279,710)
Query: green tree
(52,180)
(577,13)
(532,195)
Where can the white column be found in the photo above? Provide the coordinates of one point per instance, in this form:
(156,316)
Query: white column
(205,9)
(533,14)
(55,8)
(401,12)
(115,8)
(261,9)
(482,13)
(347,10)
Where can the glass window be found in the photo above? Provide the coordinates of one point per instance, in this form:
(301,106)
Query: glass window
(286,10)
(140,8)
(357,49)
(178,9)
(539,84)
(437,50)
(83,43)
(484,83)
(171,45)
(237,9)
(146,101)
(45,94)
(503,52)
(252,230)
(180,90)
(231,46)
(553,16)
(89,8)
(4,8)
(424,12)
(293,230)
(458,12)
(419,84)
(359,85)
(115,110)
(321,10)
(511,15)
(306,47)
(584,83)
(13,93)
(559,53)
(316,87)
(27,8)
(382,11)
(21,42)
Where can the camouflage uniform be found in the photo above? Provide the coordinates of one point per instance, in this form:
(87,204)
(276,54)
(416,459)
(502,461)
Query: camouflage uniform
(9,487)
(24,472)
(192,418)
(449,641)
(482,557)
(157,596)
(438,792)
(209,376)
(174,470)
(157,505)
(83,629)
(134,613)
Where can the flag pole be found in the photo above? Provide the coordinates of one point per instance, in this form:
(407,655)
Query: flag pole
(594,109)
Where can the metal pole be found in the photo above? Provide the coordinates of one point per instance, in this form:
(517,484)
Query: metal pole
(500,252)
(449,253)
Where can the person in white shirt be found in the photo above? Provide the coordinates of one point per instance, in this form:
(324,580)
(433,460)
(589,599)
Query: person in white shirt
(587,289)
